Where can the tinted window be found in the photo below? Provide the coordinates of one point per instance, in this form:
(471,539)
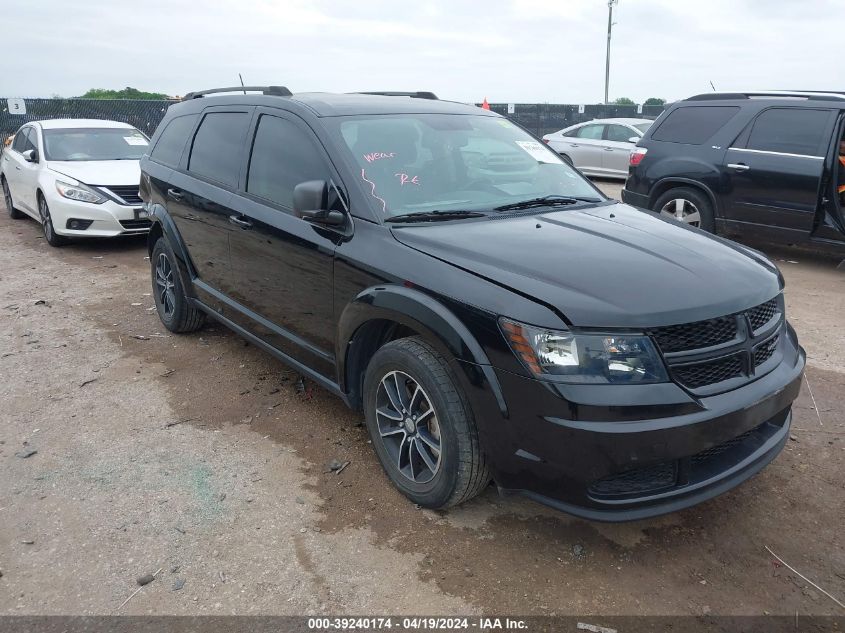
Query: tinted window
(31,139)
(591,131)
(171,142)
(694,125)
(789,130)
(283,155)
(216,153)
(620,133)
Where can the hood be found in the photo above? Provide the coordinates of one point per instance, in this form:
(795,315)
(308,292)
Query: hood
(99,172)
(606,266)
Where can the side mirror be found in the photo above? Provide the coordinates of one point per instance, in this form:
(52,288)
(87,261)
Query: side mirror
(634,140)
(30,155)
(311,203)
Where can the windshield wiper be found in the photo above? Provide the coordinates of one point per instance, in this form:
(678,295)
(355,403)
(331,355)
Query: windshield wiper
(545,201)
(434,216)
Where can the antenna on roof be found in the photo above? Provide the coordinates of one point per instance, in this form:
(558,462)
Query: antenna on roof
(241,77)
(711,85)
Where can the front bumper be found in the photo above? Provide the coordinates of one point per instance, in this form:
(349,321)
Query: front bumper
(108,219)
(621,453)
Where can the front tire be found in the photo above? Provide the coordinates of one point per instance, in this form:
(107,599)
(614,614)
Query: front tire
(422,426)
(174,309)
(53,239)
(10,205)
(687,205)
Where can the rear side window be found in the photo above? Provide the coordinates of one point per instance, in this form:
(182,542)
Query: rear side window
(171,142)
(590,131)
(694,125)
(283,156)
(789,131)
(216,153)
(620,133)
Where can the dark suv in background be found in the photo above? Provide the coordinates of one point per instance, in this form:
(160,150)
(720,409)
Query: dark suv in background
(492,313)
(754,165)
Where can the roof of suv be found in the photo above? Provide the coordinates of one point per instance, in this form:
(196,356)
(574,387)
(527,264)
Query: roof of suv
(326,104)
(799,95)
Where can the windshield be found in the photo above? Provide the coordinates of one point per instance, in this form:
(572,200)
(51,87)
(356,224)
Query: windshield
(94,144)
(643,127)
(414,163)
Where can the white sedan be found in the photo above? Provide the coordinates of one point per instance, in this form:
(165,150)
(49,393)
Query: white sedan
(601,147)
(77,177)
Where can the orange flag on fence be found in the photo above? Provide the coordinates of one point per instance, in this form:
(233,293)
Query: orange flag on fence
(485,105)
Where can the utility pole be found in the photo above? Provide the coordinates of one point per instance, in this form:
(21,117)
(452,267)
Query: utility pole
(610,4)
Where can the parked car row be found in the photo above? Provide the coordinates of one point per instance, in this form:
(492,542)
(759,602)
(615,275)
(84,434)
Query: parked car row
(490,311)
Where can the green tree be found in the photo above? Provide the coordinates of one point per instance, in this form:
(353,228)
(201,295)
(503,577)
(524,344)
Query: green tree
(126,93)
(655,101)
(624,101)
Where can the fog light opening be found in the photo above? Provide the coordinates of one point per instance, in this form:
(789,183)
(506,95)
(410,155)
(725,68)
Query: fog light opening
(75,224)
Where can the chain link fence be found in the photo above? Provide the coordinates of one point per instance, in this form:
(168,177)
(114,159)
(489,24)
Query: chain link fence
(544,118)
(143,114)
(539,118)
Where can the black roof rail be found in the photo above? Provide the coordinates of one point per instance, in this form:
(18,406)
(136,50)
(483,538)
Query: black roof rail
(276,91)
(818,95)
(421,94)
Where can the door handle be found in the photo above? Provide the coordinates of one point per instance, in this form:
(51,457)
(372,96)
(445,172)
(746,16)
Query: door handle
(608,149)
(18,167)
(739,166)
(573,145)
(175,194)
(244,224)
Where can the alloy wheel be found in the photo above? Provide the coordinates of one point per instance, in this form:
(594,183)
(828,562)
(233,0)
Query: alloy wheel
(165,285)
(408,427)
(46,222)
(7,196)
(682,210)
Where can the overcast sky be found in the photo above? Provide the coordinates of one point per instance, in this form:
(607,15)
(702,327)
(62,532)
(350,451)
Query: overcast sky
(507,50)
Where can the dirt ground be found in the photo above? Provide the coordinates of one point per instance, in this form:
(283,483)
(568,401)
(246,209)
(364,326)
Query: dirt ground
(199,457)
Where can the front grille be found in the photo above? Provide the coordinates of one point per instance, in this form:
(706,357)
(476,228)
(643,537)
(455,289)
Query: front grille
(688,336)
(702,374)
(128,193)
(764,352)
(136,224)
(762,314)
(640,480)
(704,353)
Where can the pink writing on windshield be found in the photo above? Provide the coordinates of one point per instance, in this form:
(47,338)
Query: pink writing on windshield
(405,179)
(373,156)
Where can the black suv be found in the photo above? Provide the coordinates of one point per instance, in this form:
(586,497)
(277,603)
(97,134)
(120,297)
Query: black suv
(759,165)
(492,313)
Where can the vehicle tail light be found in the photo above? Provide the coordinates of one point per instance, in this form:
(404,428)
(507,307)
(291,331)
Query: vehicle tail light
(637,155)
(545,140)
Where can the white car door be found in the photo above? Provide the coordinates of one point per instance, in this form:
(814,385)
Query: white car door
(28,173)
(617,149)
(584,147)
(13,165)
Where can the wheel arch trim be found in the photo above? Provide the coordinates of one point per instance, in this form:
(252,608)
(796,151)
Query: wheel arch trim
(164,226)
(420,312)
(665,184)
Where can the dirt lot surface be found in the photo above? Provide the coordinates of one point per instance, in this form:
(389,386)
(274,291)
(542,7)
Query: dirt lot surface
(201,457)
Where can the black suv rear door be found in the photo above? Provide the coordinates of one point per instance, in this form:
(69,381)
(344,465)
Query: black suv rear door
(199,194)
(282,266)
(772,173)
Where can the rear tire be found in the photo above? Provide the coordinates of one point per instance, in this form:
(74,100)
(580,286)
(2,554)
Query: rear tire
(174,308)
(10,206)
(53,239)
(687,205)
(410,375)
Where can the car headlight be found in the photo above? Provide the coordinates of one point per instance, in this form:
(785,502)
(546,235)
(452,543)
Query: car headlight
(585,358)
(79,192)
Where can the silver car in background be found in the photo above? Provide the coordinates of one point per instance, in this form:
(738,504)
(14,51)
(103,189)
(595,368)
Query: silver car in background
(601,147)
